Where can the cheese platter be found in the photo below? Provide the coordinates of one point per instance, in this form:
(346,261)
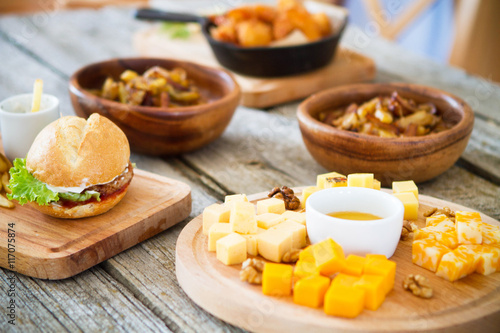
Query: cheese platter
(460,306)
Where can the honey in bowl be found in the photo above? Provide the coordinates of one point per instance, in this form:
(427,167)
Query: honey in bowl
(359,216)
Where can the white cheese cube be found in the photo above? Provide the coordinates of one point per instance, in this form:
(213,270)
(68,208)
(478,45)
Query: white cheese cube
(297,230)
(216,232)
(268,220)
(232,249)
(215,213)
(273,244)
(271,205)
(242,218)
(295,216)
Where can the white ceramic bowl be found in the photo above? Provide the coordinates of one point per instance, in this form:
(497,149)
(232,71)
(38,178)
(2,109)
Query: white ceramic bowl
(356,237)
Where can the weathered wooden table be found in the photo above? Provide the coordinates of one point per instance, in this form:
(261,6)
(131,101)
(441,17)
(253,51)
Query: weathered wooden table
(137,290)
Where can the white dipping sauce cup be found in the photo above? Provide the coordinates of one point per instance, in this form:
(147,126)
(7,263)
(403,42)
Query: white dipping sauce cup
(356,237)
(20,126)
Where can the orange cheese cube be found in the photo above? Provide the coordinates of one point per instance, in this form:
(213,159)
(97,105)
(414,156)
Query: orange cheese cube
(306,193)
(304,268)
(344,301)
(311,291)
(375,256)
(373,285)
(457,264)
(277,279)
(307,254)
(384,268)
(441,221)
(427,253)
(354,265)
(488,258)
(491,233)
(345,279)
(321,180)
(268,220)
(329,257)
(410,203)
(468,227)
(215,213)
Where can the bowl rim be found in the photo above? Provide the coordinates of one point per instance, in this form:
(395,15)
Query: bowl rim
(154,111)
(386,196)
(465,124)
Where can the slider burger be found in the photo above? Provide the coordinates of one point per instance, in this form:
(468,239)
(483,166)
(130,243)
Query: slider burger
(75,168)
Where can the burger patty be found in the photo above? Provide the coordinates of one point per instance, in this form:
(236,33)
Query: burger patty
(118,183)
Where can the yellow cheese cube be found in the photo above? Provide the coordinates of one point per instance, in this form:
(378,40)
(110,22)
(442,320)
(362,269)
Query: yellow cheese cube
(311,291)
(405,186)
(272,244)
(376,184)
(277,279)
(384,268)
(215,213)
(491,233)
(306,193)
(297,230)
(305,268)
(373,285)
(268,220)
(345,279)
(360,180)
(354,265)
(229,200)
(271,205)
(216,232)
(321,179)
(329,257)
(232,249)
(440,221)
(410,203)
(468,227)
(457,264)
(427,253)
(488,258)
(331,182)
(344,301)
(252,248)
(296,216)
(243,218)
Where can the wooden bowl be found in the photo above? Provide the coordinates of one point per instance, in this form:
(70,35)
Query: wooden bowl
(158,130)
(417,158)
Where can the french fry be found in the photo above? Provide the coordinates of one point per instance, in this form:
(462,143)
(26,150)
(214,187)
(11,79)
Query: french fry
(37,95)
(4,202)
(5,164)
(5,182)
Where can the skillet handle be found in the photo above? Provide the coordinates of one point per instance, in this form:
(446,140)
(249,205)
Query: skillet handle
(154,14)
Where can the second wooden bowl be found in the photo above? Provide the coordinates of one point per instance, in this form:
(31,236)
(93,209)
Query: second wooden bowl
(417,158)
(156,130)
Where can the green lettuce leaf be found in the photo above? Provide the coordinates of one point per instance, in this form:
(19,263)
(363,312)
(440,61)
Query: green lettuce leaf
(26,188)
(79,196)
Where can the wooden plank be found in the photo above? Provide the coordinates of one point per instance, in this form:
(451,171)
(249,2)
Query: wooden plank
(225,296)
(52,248)
(92,301)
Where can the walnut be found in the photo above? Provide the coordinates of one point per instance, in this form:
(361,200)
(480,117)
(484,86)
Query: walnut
(287,194)
(251,271)
(291,256)
(430,211)
(408,228)
(445,210)
(419,285)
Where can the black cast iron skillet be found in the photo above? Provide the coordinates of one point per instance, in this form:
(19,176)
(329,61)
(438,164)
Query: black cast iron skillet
(258,61)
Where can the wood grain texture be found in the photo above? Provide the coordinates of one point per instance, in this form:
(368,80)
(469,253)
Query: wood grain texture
(455,307)
(52,248)
(347,67)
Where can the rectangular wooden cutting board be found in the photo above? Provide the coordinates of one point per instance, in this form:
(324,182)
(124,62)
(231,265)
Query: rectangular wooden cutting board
(347,67)
(50,248)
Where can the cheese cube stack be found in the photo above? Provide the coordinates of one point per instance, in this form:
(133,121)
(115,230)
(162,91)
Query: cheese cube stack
(455,250)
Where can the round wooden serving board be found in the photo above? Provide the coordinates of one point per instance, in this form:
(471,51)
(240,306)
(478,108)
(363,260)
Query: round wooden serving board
(469,304)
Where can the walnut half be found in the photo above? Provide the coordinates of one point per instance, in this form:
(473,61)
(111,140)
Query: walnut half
(418,285)
(251,271)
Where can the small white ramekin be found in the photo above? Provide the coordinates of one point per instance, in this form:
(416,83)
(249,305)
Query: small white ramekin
(356,237)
